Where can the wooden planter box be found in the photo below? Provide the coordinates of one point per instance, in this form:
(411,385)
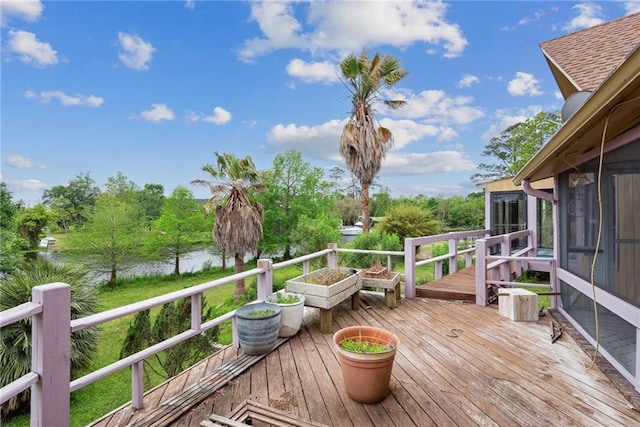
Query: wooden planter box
(326,296)
(391,288)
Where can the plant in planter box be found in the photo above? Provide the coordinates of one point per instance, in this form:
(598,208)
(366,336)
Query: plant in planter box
(258,326)
(292,306)
(366,355)
(380,277)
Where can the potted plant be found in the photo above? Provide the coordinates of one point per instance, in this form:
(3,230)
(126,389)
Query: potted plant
(380,277)
(292,306)
(366,355)
(258,325)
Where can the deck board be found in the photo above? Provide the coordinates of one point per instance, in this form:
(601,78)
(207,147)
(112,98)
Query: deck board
(458,286)
(457,364)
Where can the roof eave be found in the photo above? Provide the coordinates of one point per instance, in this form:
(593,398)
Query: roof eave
(594,109)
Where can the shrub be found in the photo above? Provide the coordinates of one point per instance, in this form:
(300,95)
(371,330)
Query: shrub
(373,241)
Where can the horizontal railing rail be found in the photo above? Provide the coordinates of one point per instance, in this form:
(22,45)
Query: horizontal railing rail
(454,239)
(509,264)
(51,322)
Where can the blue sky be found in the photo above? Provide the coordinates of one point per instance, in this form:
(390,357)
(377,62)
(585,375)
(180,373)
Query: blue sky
(153,89)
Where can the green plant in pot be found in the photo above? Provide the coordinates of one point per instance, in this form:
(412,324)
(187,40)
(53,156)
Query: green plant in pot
(258,326)
(292,306)
(366,356)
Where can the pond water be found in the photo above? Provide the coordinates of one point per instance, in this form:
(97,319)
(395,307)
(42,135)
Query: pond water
(189,262)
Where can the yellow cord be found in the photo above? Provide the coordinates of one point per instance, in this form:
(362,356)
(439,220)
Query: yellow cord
(600,222)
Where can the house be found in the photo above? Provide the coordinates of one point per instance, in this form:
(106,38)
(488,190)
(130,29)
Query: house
(594,160)
(508,208)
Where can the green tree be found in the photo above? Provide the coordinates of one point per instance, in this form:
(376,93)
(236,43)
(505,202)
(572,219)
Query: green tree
(111,241)
(12,244)
(516,145)
(72,202)
(238,226)
(363,143)
(314,234)
(151,199)
(409,221)
(349,209)
(178,229)
(15,342)
(292,188)
(32,221)
(173,319)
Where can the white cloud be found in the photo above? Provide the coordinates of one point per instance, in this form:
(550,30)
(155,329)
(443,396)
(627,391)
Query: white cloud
(632,7)
(589,14)
(19,162)
(436,106)
(220,116)
(31,50)
(27,10)
(312,72)
(425,163)
(136,53)
(468,80)
(558,95)
(27,184)
(524,84)
(190,4)
(332,28)
(158,113)
(321,141)
(66,100)
(507,118)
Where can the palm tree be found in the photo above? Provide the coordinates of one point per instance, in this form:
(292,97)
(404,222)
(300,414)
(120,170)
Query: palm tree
(364,143)
(238,226)
(15,344)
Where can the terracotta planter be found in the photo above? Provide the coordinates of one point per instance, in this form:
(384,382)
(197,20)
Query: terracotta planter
(366,375)
(258,335)
(292,314)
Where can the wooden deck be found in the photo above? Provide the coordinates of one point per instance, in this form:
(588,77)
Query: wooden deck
(458,286)
(457,365)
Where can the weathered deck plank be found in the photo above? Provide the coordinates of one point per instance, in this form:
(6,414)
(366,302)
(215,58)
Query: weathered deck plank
(458,286)
(457,364)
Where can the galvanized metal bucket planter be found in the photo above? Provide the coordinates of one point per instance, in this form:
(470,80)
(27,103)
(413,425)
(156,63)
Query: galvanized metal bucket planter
(258,333)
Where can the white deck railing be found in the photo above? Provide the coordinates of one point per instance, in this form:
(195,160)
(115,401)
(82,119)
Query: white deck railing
(52,326)
(509,265)
(454,239)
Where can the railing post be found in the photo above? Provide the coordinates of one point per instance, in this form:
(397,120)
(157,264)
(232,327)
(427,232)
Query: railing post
(196,312)
(481,271)
(265,279)
(389,264)
(555,287)
(51,355)
(409,269)
(332,257)
(137,385)
(305,266)
(453,260)
(505,250)
(437,269)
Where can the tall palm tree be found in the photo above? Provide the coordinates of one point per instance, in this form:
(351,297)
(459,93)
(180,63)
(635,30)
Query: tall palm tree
(15,342)
(238,226)
(364,142)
